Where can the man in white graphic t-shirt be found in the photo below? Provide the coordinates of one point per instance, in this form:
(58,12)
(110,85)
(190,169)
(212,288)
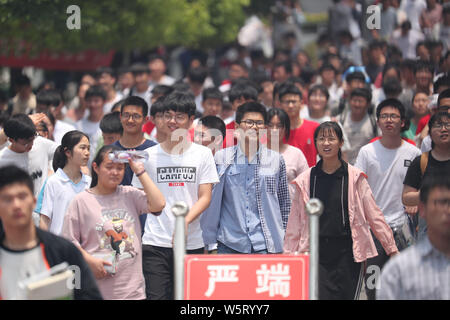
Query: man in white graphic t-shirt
(183,171)
(386,161)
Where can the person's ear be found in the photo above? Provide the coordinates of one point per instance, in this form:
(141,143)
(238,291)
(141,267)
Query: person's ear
(95,167)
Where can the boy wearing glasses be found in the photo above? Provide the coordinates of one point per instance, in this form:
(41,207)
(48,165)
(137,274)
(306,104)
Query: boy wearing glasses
(386,161)
(250,205)
(27,151)
(183,171)
(302,130)
(133,115)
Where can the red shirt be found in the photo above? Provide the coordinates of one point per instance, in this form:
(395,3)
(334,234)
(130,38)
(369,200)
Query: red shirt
(303,138)
(422,123)
(229,139)
(406,139)
(148,127)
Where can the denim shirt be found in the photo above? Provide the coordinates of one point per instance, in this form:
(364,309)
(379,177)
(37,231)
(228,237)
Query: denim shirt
(271,195)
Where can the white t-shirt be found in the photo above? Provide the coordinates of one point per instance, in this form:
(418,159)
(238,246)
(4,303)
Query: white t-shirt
(58,192)
(35,162)
(178,177)
(61,128)
(108,105)
(17,266)
(426,144)
(386,170)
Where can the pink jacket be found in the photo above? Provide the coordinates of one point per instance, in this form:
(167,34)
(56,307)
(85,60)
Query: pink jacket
(362,210)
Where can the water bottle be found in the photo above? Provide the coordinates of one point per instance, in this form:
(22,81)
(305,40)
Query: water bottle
(123,156)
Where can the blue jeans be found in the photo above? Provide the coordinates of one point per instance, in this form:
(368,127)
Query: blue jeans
(223,249)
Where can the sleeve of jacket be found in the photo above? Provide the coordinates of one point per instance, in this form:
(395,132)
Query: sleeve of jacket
(210,218)
(375,217)
(283,193)
(293,230)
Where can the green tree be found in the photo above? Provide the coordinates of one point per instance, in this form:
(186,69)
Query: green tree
(121,25)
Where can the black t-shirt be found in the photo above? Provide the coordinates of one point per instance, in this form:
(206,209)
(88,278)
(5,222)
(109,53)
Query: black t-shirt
(332,190)
(414,177)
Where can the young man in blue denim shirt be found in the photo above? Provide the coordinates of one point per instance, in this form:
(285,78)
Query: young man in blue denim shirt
(250,205)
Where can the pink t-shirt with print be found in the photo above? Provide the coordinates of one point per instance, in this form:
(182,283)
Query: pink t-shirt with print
(109,224)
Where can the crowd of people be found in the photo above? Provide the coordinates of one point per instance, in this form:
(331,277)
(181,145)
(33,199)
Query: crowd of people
(91,181)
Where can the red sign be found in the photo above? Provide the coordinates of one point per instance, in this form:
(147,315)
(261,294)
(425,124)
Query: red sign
(246,277)
(20,55)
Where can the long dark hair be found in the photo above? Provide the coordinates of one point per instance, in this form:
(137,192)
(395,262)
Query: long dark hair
(68,142)
(99,157)
(330,126)
(284,119)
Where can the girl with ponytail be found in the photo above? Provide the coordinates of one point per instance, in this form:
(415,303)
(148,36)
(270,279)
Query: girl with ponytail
(68,180)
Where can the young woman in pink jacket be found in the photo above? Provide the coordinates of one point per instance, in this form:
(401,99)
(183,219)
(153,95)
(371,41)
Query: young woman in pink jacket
(350,212)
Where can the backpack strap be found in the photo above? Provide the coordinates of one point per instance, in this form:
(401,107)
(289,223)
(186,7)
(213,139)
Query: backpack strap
(423,162)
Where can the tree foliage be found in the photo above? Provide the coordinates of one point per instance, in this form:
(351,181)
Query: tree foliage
(122,24)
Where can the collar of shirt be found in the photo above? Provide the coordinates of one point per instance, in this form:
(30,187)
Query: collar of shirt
(241,158)
(340,172)
(426,248)
(65,178)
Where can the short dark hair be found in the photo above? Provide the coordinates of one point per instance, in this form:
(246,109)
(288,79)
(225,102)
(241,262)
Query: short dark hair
(362,92)
(394,103)
(180,102)
(49,98)
(110,123)
(162,89)
(251,106)
(356,75)
(423,65)
(284,119)
(135,101)
(442,81)
(157,107)
(392,86)
(22,80)
(433,181)
(197,75)
(19,126)
(327,66)
(242,90)
(321,88)
(289,88)
(139,68)
(103,70)
(443,95)
(287,65)
(240,64)
(212,93)
(213,122)
(11,174)
(95,91)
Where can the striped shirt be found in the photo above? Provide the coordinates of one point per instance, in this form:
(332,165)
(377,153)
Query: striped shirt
(420,272)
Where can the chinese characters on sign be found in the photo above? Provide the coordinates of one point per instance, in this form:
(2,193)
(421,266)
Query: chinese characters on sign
(220,274)
(255,277)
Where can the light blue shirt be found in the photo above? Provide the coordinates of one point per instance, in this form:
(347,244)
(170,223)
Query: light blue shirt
(227,218)
(240,227)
